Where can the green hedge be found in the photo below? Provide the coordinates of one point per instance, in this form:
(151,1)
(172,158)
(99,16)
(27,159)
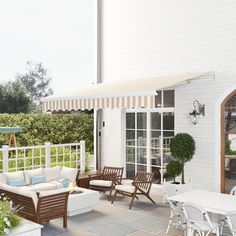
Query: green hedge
(56,129)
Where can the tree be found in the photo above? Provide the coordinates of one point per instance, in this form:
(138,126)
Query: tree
(13,98)
(182,148)
(36,81)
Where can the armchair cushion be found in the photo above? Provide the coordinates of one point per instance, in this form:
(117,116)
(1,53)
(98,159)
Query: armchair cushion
(125,188)
(102,183)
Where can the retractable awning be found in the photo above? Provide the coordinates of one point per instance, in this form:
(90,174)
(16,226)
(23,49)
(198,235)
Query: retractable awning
(116,94)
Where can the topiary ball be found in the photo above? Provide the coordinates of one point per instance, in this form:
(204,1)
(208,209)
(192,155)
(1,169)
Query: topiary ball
(174,168)
(182,147)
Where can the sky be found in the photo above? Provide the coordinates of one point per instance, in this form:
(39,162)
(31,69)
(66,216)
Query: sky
(61,34)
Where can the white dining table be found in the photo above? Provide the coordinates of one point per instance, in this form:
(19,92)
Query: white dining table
(213,202)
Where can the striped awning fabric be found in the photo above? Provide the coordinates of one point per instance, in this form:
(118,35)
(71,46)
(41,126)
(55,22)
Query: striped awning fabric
(138,93)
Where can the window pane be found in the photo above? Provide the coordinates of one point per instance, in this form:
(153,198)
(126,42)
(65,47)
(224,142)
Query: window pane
(141,168)
(169,98)
(167,136)
(130,154)
(166,156)
(168,121)
(158,99)
(156,175)
(130,120)
(130,137)
(130,171)
(156,157)
(155,139)
(142,138)
(142,155)
(141,120)
(155,120)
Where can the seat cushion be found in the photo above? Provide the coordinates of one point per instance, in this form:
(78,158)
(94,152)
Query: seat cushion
(125,188)
(44,186)
(102,183)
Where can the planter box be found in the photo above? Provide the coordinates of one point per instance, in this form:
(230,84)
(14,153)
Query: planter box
(27,228)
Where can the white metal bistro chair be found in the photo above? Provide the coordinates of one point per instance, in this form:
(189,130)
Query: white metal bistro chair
(199,221)
(224,222)
(177,217)
(231,221)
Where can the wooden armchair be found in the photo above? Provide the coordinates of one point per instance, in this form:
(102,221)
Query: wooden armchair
(141,186)
(106,181)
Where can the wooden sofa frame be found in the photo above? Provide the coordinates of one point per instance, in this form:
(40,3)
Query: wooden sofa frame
(48,207)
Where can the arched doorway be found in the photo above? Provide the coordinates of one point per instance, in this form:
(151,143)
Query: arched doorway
(228,142)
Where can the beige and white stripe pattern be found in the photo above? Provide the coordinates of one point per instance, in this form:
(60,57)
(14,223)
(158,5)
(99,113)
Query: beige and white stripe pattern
(69,104)
(128,94)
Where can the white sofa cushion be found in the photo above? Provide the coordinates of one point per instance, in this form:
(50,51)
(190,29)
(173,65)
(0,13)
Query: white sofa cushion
(31,194)
(52,173)
(43,187)
(102,183)
(11,175)
(69,173)
(125,188)
(29,173)
(52,192)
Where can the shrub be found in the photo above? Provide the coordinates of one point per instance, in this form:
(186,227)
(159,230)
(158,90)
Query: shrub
(56,129)
(182,148)
(174,168)
(8,217)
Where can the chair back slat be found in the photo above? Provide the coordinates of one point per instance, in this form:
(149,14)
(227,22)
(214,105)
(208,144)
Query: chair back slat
(109,173)
(143,180)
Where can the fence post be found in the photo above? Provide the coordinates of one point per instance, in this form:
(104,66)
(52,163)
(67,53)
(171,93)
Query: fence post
(5,153)
(47,154)
(82,156)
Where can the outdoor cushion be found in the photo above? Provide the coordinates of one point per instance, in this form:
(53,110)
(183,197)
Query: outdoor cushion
(16,182)
(56,183)
(64,182)
(31,194)
(43,186)
(125,188)
(52,192)
(52,173)
(12,175)
(69,173)
(103,183)
(29,173)
(38,179)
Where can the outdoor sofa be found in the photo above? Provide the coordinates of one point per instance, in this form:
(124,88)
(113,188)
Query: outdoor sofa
(40,194)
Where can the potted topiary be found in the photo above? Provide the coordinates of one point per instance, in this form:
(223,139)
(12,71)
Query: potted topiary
(174,169)
(182,148)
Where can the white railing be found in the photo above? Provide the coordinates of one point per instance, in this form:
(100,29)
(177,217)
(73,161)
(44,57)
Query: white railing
(48,155)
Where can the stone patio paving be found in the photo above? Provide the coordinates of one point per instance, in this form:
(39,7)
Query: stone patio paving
(106,219)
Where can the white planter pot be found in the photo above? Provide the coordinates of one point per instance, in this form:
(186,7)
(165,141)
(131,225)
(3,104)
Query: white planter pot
(26,228)
(181,188)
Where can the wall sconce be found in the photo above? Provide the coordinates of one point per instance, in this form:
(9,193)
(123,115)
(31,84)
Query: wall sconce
(198,109)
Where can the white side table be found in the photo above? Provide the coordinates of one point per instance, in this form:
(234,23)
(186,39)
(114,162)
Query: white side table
(82,202)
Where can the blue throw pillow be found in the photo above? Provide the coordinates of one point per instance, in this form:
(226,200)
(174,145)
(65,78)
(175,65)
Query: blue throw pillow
(64,182)
(37,179)
(16,182)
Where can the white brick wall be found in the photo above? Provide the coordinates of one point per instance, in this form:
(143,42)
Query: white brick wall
(145,38)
